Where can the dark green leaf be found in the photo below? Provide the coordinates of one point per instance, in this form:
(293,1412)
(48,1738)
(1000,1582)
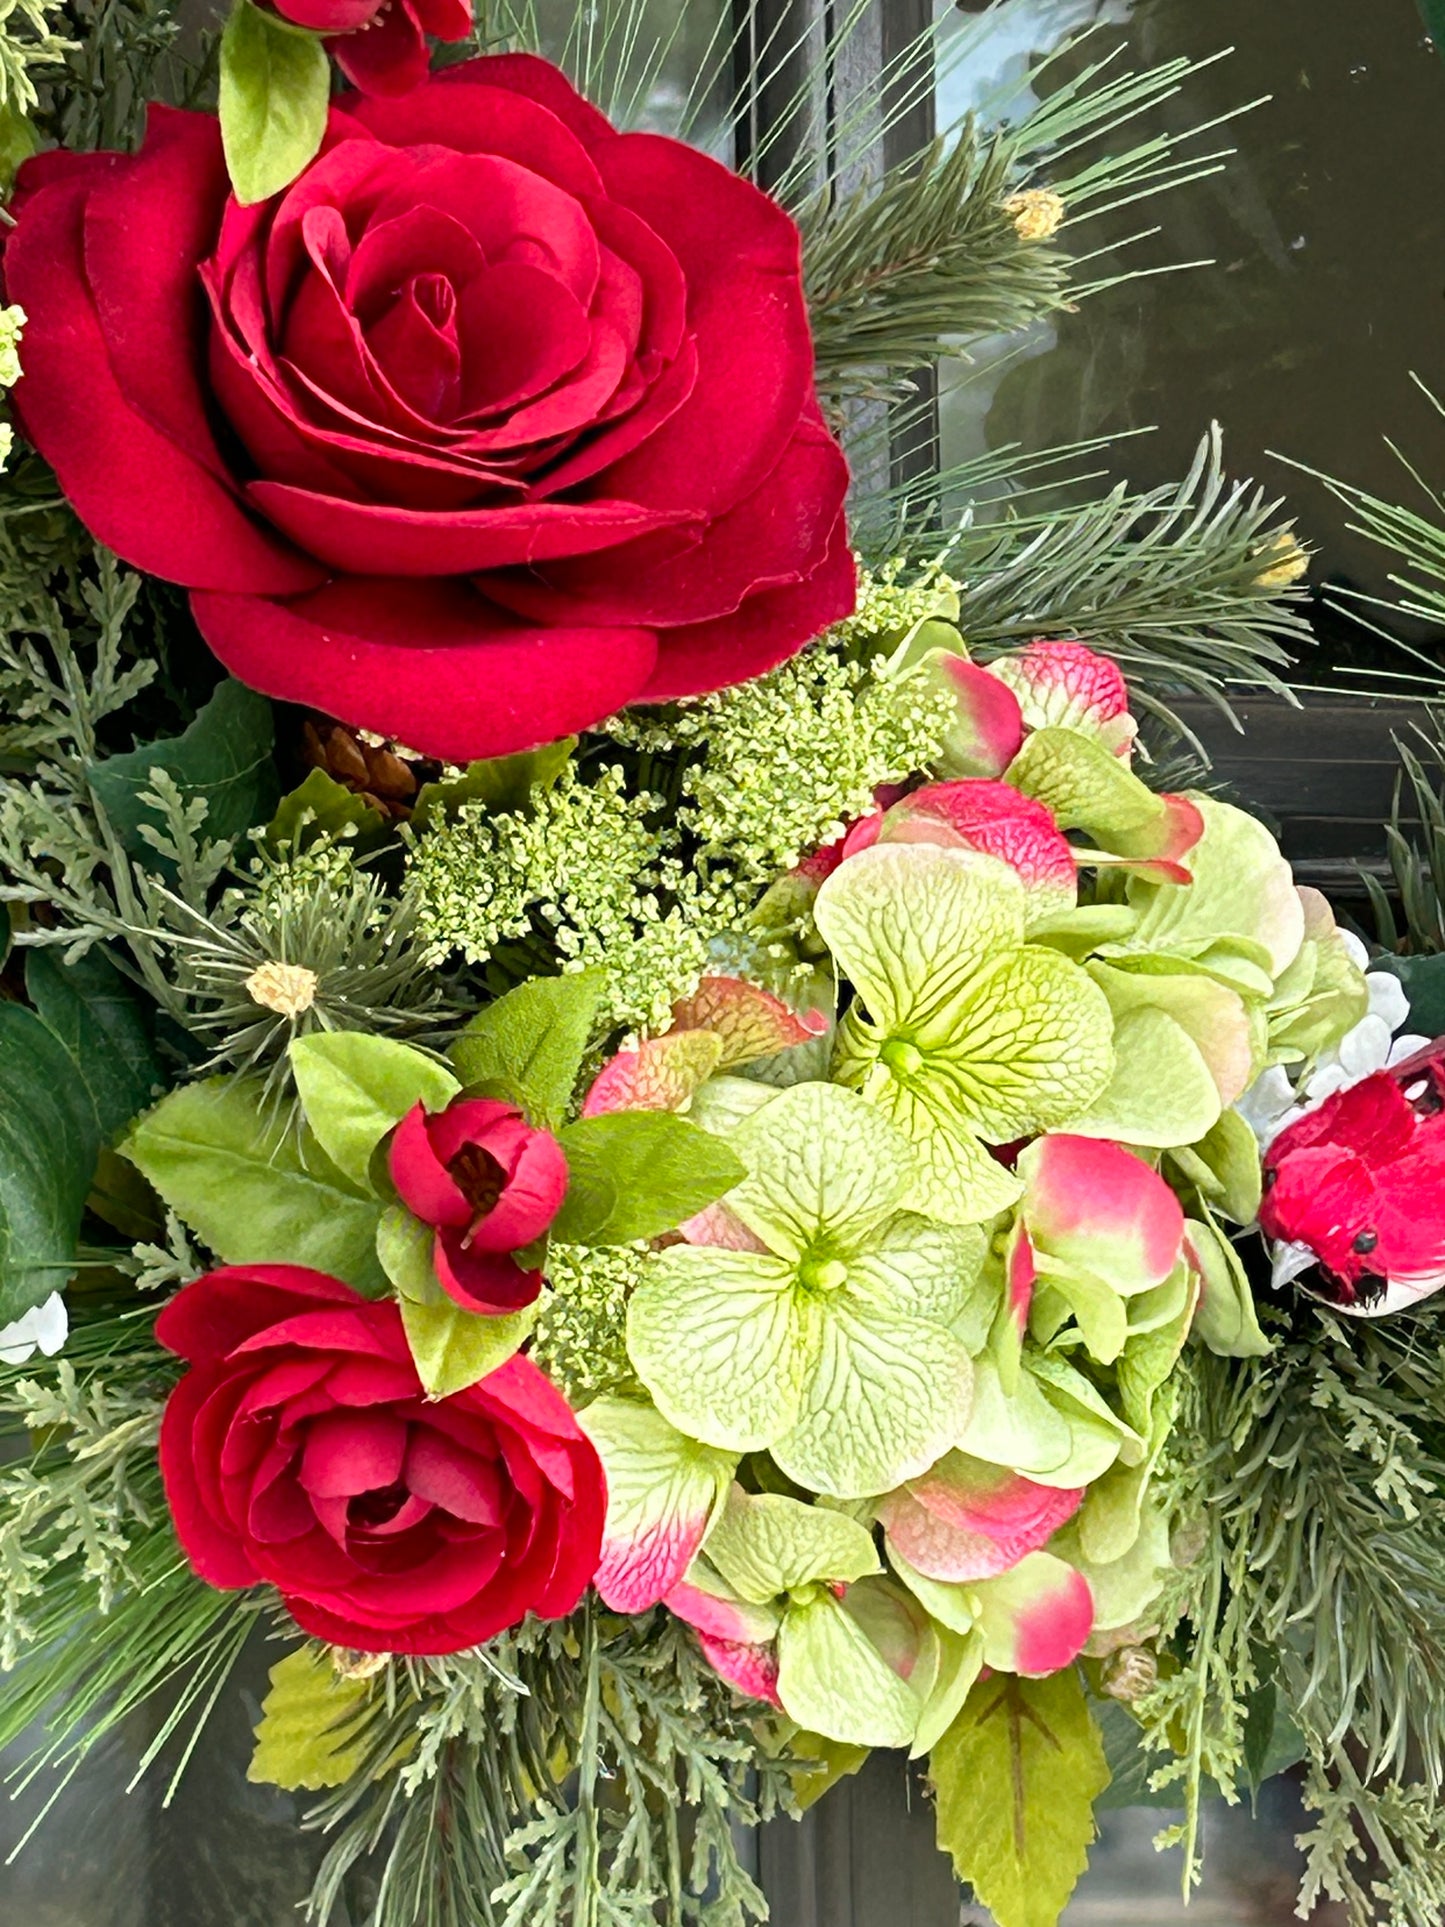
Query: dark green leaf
(528,1046)
(1423,981)
(48,1146)
(321,810)
(504,783)
(104,1029)
(636,1174)
(225,757)
(275,89)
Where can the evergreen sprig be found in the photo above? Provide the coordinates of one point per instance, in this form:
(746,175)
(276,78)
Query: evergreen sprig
(1312,1551)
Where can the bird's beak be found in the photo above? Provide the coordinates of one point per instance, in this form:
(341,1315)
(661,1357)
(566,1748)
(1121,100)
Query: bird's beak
(1289,1261)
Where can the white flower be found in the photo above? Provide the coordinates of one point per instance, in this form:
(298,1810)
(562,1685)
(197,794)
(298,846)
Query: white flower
(1272,1102)
(43,1328)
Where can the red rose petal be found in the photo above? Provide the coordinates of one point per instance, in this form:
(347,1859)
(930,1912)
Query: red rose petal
(171,517)
(483,120)
(390,57)
(430,663)
(350,1452)
(490,1282)
(467,1487)
(210,1317)
(538,80)
(766,630)
(212,1549)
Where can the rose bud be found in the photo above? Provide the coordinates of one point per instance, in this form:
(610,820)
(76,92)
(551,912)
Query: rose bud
(381,45)
(491,1185)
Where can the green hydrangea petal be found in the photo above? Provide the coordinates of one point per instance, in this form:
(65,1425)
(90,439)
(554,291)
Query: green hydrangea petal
(1161,1092)
(955,1178)
(921,1267)
(766,1544)
(822,1164)
(723,1344)
(833,1682)
(888,1397)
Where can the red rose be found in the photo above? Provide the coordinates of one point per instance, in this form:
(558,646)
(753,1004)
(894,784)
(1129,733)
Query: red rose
(494,421)
(299,1449)
(381,45)
(491,1184)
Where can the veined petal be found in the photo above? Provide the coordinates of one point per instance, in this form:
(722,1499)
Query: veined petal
(663,1493)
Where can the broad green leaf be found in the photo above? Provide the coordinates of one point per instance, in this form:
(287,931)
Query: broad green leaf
(503,783)
(832,1680)
(49,1140)
(1017,1775)
(1161,1092)
(355,1088)
(719,1340)
(888,1396)
(911,924)
(321,810)
(820,1163)
(404,1249)
(224,759)
(664,1492)
(18,141)
(1242,887)
(528,1046)
(105,1030)
(1423,981)
(452,1348)
(275,92)
(766,1544)
(311,1733)
(253,1187)
(636,1174)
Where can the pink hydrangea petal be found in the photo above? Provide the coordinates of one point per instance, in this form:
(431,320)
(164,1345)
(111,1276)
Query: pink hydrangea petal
(748,1021)
(997,820)
(989,730)
(1093,1204)
(1070,686)
(661,1074)
(1036,1618)
(753,1670)
(968,1520)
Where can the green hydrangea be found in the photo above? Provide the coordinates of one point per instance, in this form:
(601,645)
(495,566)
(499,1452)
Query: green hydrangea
(580,1339)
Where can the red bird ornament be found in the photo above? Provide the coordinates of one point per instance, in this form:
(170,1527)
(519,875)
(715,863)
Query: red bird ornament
(1354,1192)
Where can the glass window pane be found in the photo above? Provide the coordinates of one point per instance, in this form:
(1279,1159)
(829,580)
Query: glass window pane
(1325,231)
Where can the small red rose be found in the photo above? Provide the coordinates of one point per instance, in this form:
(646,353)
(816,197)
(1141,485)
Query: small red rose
(491,1184)
(300,1450)
(381,45)
(494,421)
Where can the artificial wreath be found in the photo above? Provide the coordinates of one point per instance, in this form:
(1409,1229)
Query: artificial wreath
(640,1137)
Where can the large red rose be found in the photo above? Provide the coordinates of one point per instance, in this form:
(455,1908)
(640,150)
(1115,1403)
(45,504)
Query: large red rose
(494,421)
(299,1449)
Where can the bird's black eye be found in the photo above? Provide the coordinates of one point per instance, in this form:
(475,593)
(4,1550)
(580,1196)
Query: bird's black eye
(1366,1241)
(1270,1174)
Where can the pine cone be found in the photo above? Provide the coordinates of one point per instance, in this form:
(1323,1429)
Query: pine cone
(368,765)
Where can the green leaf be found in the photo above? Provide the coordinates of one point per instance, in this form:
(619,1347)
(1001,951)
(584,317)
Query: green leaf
(1017,1775)
(18,141)
(105,1031)
(1225,1319)
(766,1544)
(718,1340)
(355,1088)
(224,758)
(308,1736)
(322,810)
(503,783)
(636,1174)
(275,90)
(48,1145)
(528,1046)
(453,1349)
(832,1679)
(255,1188)
(1423,981)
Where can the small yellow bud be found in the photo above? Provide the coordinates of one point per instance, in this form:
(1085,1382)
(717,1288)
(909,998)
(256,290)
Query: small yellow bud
(1291,565)
(1037,213)
(288,989)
